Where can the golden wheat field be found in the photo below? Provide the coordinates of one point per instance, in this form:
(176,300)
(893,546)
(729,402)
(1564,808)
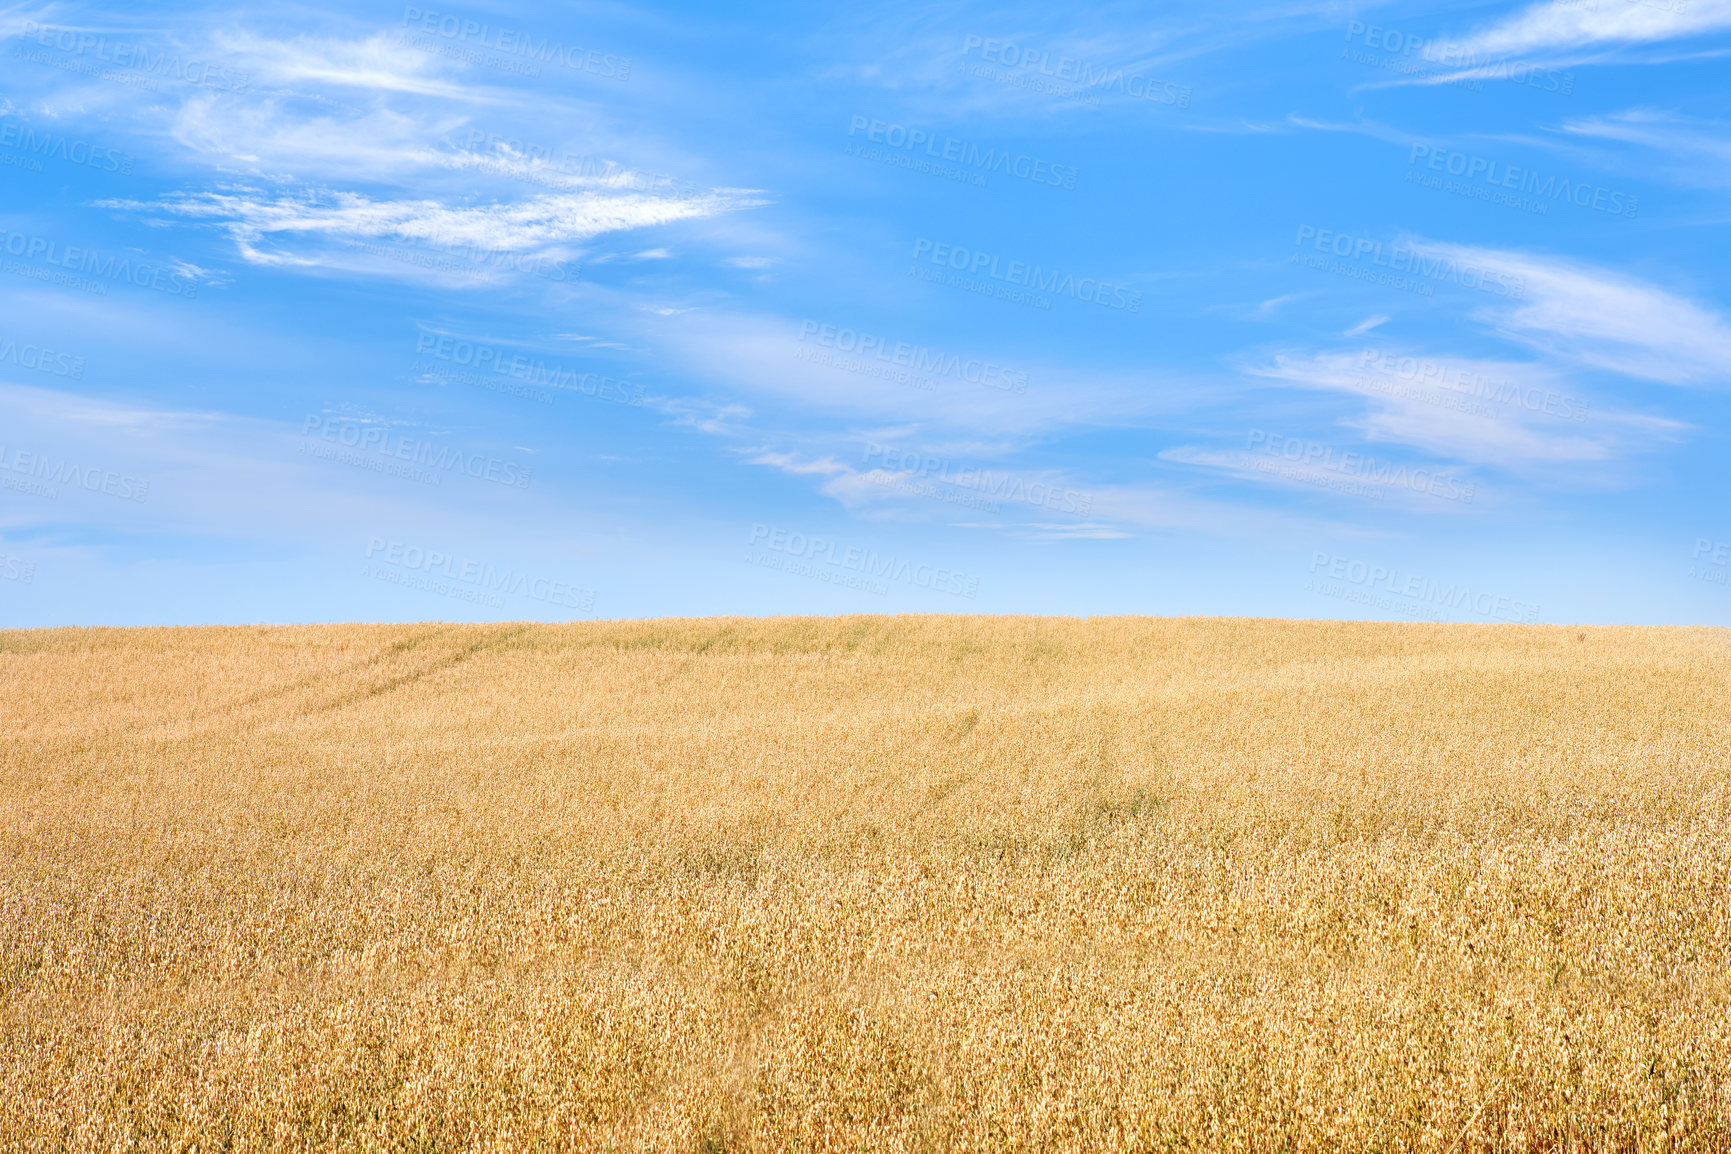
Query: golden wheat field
(869,883)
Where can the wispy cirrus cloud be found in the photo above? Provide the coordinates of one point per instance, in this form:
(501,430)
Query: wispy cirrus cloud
(1690,150)
(1517,416)
(267,227)
(767,356)
(1033,504)
(1355,474)
(379,61)
(1571,24)
(1604,319)
(268,138)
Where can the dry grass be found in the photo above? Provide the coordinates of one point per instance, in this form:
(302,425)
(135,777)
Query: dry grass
(866,883)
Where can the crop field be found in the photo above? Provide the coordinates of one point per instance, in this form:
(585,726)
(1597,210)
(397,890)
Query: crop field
(868,883)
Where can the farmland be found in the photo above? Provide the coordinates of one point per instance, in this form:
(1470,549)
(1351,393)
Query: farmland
(882,883)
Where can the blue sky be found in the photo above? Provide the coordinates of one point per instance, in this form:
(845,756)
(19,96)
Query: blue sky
(398,312)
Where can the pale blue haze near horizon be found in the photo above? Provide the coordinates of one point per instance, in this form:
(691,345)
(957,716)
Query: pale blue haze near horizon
(384,312)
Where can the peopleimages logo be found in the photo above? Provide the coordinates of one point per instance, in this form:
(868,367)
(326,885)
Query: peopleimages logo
(485,582)
(1399,258)
(1471,168)
(43,360)
(1019,165)
(1375,584)
(1077,72)
(63,147)
(1000,486)
(1712,561)
(1361,467)
(484,358)
(1022,274)
(1423,372)
(394,448)
(44,473)
(1454,56)
(867,563)
(917,358)
(17,569)
(137,57)
(510,42)
(1717,552)
(107,266)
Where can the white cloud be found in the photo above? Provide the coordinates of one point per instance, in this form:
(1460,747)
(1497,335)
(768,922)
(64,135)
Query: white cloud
(1050,531)
(591,342)
(716,420)
(1519,417)
(1695,152)
(539,225)
(1563,24)
(792,463)
(261,136)
(927,57)
(1268,307)
(379,62)
(1355,473)
(332,109)
(763,356)
(1019,500)
(1601,318)
(69,409)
